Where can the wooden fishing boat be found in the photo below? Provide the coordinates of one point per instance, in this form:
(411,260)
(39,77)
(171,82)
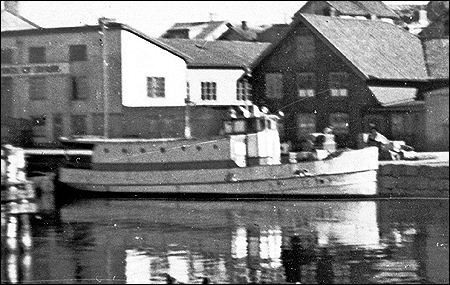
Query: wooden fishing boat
(246,161)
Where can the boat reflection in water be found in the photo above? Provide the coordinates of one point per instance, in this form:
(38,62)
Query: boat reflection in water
(159,241)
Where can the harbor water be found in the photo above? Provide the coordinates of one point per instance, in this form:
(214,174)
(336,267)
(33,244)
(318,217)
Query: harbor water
(154,241)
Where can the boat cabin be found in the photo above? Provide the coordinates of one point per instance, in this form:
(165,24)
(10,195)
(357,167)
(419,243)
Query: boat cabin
(261,136)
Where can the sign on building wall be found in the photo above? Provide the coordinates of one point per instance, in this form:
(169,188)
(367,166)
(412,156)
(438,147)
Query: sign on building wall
(35,69)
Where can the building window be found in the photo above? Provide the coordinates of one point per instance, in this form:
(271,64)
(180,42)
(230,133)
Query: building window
(337,82)
(79,126)
(7,56)
(209,91)
(37,88)
(156,87)
(339,123)
(243,90)
(403,125)
(306,124)
(36,55)
(274,85)
(188,92)
(39,126)
(306,84)
(80,89)
(305,48)
(58,127)
(77,53)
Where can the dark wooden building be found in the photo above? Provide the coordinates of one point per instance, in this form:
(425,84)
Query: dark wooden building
(346,73)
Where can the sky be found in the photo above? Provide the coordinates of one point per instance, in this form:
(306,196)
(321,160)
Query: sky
(155,17)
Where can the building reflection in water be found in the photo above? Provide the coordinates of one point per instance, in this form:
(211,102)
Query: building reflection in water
(154,242)
(16,247)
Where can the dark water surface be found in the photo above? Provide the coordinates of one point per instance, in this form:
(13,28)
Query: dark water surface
(144,241)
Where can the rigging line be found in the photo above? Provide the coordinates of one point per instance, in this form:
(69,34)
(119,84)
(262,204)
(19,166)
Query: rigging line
(301,99)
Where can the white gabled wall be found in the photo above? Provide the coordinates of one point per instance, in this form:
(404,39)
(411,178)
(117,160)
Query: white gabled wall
(226,85)
(142,59)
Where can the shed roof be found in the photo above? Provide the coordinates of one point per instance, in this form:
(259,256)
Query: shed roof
(218,54)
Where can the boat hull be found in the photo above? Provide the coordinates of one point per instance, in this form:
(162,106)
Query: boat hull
(359,183)
(352,173)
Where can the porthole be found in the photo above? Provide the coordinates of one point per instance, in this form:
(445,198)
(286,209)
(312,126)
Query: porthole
(163,150)
(199,148)
(183,148)
(106,150)
(142,150)
(124,150)
(215,146)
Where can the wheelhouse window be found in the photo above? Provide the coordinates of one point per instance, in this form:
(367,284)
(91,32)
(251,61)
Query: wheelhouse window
(37,88)
(79,125)
(243,90)
(156,87)
(274,85)
(306,84)
(339,122)
(36,55)
(306,124)
(77,53)
(80,88)
(337,82)
(7,56)
(209,91)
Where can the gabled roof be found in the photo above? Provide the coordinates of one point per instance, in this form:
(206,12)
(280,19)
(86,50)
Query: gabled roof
(12,21)
(239,33)
(217,54)
(374,49)
(437,54)
(205,29)
(356,8)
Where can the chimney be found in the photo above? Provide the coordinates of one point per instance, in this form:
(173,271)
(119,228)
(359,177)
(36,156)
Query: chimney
(333,12)
(244,25)
(423,19)
(12,6)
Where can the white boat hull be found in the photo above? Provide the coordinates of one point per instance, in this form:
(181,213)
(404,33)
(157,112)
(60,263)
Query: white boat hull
(352,173)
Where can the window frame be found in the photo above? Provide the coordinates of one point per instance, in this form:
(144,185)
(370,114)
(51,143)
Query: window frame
(37,93)
(7,56)
(309,127)
(243,90)
(78,53)
(310,84)
(336,128)
(338,84)
(37,54)
(274,85)
(156,87)
(80,85)
(74,125)
(39,127)
(208,91)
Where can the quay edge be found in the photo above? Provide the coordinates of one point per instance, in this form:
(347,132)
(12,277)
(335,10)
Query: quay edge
(427,177)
